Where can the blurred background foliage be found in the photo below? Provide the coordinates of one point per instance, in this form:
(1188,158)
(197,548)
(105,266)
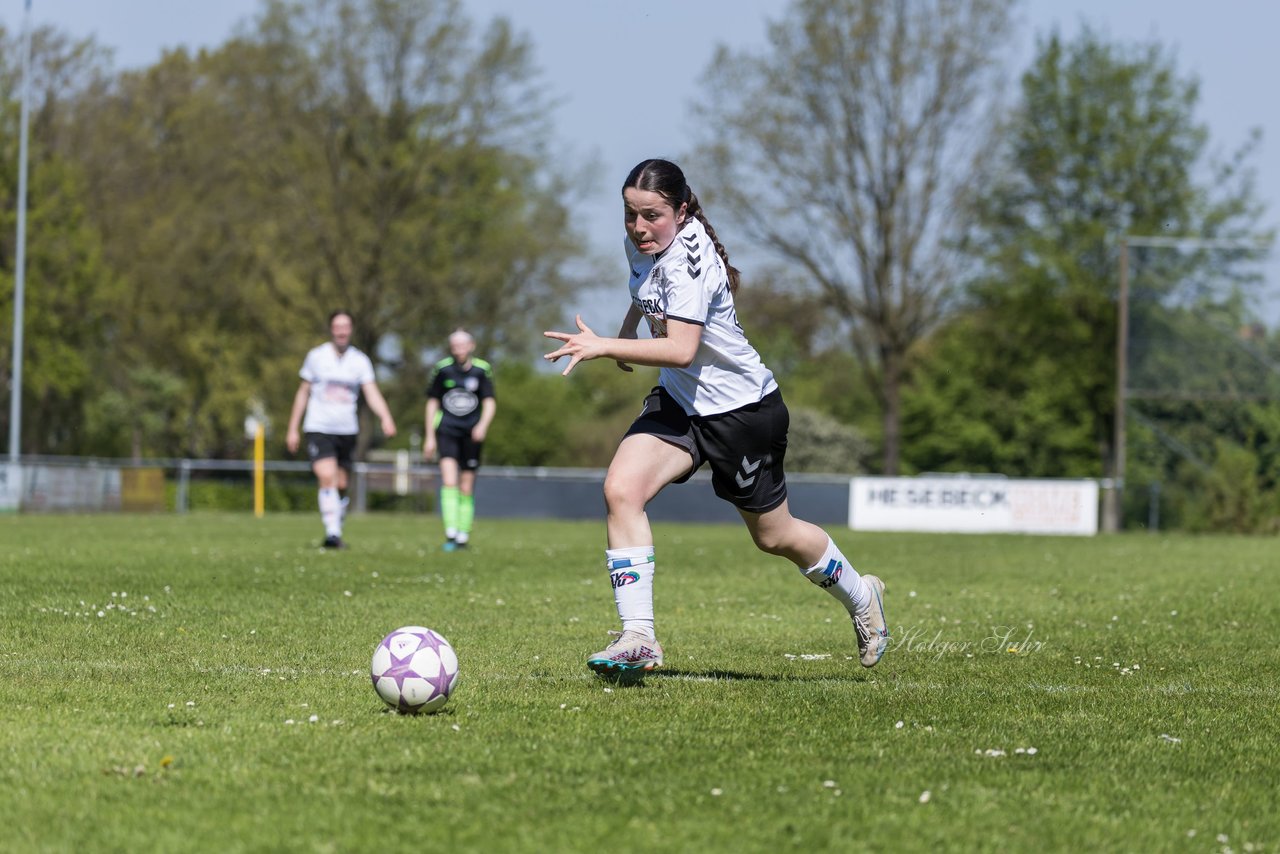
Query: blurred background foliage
(937,289)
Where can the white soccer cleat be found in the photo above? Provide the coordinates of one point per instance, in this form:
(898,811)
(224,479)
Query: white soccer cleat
(871,626)
(631,653)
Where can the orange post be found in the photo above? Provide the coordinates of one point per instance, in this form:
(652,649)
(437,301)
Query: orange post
(259,473)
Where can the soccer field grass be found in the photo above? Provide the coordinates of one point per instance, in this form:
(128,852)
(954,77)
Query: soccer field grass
(201,683)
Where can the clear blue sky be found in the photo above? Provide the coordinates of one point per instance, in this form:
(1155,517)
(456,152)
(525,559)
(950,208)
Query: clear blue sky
(599,54)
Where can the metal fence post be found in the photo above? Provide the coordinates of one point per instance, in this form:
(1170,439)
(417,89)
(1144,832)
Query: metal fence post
(184,484)
(361,471)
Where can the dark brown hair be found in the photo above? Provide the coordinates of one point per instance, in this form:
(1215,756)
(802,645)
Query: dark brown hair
(667,180)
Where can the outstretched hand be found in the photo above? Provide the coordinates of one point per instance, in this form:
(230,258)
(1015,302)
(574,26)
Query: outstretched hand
(579,347)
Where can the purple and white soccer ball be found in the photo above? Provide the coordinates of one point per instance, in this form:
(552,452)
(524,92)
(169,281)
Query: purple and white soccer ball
(414,670)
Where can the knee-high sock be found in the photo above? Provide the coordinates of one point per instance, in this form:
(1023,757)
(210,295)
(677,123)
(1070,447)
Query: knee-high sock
(466,514)
(331,512)
(631,574)
(834,574)
(449,510)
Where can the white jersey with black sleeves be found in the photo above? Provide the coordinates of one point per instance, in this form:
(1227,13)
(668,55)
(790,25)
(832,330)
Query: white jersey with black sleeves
(335,389)
(688,282)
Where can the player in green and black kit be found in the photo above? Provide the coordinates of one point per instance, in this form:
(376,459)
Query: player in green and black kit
(460,408)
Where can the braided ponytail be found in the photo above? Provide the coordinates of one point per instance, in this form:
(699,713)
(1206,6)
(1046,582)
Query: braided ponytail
(695,210)
(665,178)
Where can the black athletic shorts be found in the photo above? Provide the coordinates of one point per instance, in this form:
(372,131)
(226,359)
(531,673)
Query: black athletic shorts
(458,445)
(745,447)
(321,446)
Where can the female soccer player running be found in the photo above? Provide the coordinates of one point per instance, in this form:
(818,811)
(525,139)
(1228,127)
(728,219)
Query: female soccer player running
(715,402)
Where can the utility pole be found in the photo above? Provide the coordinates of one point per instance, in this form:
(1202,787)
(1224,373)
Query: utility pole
(20,254)
(1112,499)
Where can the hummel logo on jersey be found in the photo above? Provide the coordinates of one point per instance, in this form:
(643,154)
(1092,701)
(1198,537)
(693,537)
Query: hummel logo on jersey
(831,575)
(695,259)
(748,467)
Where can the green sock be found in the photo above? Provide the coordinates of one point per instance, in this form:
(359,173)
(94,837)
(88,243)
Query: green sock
(466,512)
(449,509)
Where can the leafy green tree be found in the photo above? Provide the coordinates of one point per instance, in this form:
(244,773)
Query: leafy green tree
(190,332)
(1103,143)
(1235,496)
(787,324)
(1207,465)
(843,149)
(382,156)
(545,419)
(406,179)
(531,428)
(67,284)
(820,444)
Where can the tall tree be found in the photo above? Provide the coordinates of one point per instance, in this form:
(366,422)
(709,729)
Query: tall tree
(1103,143)
(405,170)
(383,156)
(193,339)
(67,285)
(843,149)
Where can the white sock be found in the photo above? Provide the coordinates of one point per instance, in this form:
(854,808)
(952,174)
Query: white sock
(331,512)
(461,537)
(834,574)
(631,574)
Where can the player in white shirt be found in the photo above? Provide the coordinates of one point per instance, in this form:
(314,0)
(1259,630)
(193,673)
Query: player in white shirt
(716,402)
(334,375)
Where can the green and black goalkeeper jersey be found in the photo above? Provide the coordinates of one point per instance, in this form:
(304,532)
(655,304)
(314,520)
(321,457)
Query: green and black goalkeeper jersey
(460,392)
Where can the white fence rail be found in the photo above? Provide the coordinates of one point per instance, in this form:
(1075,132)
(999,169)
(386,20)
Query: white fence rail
(53,484)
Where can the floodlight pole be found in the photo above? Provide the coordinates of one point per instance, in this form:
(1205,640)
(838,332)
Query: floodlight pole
(20,254)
